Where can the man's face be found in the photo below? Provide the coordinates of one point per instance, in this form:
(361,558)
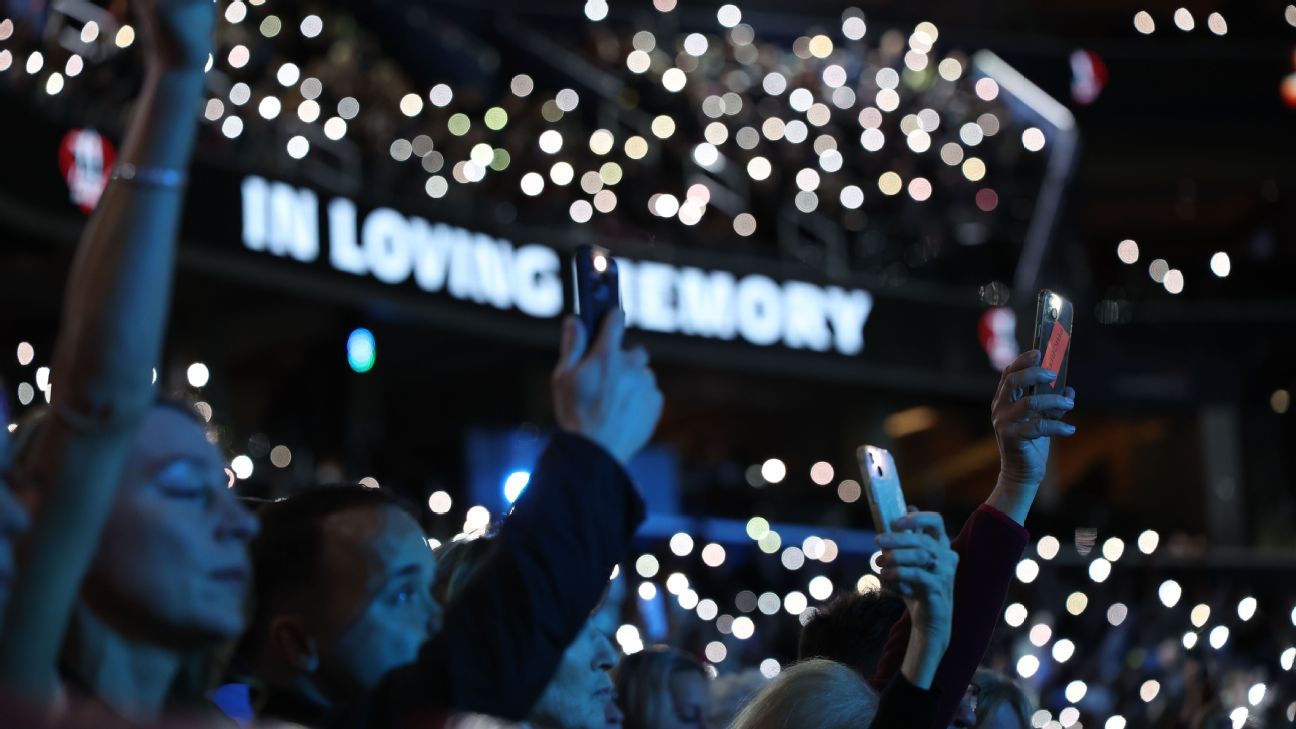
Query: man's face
(578,694)
(377,599)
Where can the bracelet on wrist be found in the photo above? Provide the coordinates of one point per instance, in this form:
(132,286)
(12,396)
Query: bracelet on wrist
(161,177)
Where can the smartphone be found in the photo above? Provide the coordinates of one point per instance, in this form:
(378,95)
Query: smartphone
(1054,316)
(882,484)
(595,285)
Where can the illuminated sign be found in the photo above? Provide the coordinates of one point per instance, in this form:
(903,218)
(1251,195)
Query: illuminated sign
(394,248)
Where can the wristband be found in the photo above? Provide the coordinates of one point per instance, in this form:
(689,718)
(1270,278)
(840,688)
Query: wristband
(150,176)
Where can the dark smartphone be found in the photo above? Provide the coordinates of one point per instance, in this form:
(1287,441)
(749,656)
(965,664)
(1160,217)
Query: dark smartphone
(596,287)
(1054,316)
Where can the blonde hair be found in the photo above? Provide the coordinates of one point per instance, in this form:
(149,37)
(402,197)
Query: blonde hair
(815,693)
(643,683)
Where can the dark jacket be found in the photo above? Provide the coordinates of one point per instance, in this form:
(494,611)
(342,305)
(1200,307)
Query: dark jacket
(504,635)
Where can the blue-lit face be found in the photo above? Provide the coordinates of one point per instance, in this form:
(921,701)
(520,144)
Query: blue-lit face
(578,694)
(174,552)
(380,608)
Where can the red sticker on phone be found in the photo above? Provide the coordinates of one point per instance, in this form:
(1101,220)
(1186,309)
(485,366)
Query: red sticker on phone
(1055,351)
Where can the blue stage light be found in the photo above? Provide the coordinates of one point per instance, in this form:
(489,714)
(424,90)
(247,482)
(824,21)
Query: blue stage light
(515,484)
(362,350)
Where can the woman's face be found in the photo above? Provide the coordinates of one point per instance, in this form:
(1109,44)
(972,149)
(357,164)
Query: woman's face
(690,701)
(173,561)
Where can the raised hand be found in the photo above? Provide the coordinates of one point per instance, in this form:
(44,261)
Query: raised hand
(607,394)
(177,33)
(918,563)
(1024,423)
(114,318)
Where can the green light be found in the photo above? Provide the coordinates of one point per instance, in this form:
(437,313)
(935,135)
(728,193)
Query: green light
(610,173)
(362,350)
(271,26)
(496,118)
(770,543)
(459,124)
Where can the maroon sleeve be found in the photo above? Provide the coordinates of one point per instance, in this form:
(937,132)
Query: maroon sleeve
(988,547)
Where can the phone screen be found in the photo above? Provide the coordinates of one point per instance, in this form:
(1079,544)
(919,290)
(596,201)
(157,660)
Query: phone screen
(882,484)
(1054,317)
(596,286)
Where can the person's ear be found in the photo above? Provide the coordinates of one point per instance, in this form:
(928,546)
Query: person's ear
(293,643)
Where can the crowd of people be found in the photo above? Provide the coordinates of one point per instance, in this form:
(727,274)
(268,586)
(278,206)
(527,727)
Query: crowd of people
(139,590)
(875,165)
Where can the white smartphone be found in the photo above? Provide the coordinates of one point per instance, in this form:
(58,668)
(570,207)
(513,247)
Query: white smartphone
(882,484)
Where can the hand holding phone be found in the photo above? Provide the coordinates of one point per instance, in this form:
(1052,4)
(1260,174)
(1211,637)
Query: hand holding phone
(596,287)
(882,484)
(602,389)
(605,392)
(919,564)
(1026,411)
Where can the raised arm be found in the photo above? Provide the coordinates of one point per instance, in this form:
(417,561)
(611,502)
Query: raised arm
(1024,426)
(109,341)
(504,634)
(918,561)
(992,540)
